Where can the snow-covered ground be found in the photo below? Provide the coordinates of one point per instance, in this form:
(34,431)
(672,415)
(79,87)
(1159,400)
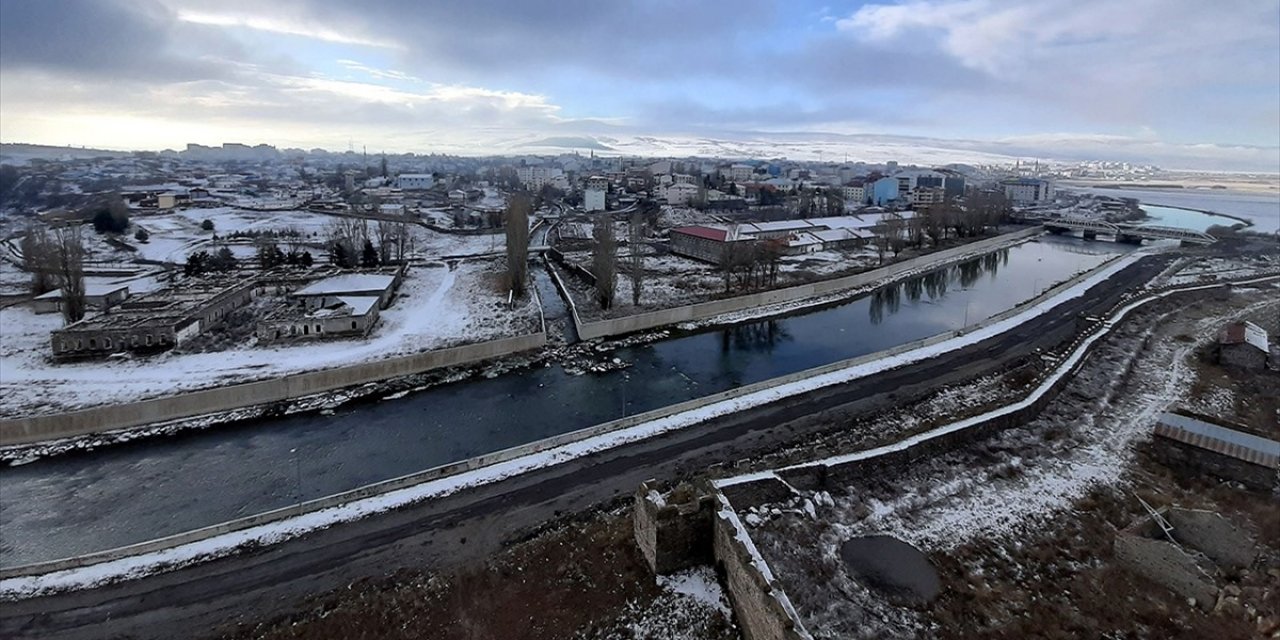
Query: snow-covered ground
(437,307)
(1022,477)
(135,566)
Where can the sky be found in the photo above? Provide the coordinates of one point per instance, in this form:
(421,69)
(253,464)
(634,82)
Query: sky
(1180,83)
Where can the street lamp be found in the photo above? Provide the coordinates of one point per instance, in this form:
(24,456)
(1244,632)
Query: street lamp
(625,379)
(297,468)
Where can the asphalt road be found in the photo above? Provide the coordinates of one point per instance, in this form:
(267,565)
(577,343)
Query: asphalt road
(210,598)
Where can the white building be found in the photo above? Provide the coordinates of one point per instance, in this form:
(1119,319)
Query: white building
(855,195)
(593,198)
(415,181)
(533,178)
(1027,190)
(681,193)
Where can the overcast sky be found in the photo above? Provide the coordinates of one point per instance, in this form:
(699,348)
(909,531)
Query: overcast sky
(1181,82)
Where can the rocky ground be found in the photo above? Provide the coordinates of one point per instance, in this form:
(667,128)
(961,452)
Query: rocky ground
(580,579)
(1020,526)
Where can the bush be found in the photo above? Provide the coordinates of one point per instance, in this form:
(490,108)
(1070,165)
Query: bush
(207,225)
(141,235)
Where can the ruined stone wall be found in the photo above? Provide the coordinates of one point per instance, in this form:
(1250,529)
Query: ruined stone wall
(1215,536)
(1181,456)
(761,608)
(1186,573)
(673,536)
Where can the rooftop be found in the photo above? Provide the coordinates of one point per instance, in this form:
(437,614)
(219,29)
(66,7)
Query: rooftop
(1219,439)
(348,283)
(1243,333)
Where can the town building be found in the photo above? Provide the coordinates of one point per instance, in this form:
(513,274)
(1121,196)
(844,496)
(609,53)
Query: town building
(415,181)
(855,194)
(534,178)
(882,191)
(1243,345)
(1027,190)
(341,306)
(100,297)
(154,321)
(593,197)
(927,196)
(709,244)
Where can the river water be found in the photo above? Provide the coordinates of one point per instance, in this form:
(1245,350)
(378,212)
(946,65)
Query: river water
(129,493)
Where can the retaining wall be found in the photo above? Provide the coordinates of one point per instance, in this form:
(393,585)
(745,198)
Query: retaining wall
(285,388)
(713,308)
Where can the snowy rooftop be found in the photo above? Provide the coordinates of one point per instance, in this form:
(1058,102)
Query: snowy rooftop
(348,283)
(91,289)
(359,305)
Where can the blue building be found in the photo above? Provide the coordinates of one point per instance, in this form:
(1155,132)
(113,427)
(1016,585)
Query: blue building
(882,191)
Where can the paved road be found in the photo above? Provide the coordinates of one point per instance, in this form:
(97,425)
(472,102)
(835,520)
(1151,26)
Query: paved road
(471,525)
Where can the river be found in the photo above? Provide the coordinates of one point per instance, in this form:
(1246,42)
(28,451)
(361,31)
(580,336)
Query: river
(129,493)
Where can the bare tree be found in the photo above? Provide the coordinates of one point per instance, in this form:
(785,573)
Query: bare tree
(635,262)
(39,259)
(604,259)
(517,228)
(69,271)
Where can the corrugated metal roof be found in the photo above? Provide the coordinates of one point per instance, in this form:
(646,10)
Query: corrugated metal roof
(1211,437)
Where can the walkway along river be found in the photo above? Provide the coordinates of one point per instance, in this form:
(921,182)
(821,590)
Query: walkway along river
(129,493)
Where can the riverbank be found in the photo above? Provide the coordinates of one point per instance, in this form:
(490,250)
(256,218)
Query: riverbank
(286,522)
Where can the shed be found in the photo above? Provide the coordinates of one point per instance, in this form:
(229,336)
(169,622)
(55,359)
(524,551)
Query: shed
(1243,345)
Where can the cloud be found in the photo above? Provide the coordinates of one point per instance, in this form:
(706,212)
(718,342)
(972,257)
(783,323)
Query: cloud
(994,70)
(280,25)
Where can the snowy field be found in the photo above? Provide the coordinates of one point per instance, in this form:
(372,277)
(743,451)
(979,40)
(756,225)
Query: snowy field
(437,307)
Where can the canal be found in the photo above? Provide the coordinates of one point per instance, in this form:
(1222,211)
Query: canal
(128,493)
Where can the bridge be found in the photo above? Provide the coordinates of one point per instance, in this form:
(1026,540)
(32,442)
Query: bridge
(1128,233)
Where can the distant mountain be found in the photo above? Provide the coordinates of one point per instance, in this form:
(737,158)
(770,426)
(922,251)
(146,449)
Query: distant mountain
(569,142)
(20,153)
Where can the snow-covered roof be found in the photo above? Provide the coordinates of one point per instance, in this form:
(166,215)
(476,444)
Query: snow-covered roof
(348,283)
(91,289)
(360,305)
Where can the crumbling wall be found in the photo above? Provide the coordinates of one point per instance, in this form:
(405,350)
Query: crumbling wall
(761,607)
(1187,573)
(1180,455)
(673,531)
(1215,536)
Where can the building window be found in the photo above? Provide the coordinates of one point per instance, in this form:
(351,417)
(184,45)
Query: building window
(317,328)
(93,343)
(148,339)
(353,324)
(106,343)
(306,329)
(79,344)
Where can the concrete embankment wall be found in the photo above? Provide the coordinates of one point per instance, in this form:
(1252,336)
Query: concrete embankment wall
(239,396)
(713,308)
